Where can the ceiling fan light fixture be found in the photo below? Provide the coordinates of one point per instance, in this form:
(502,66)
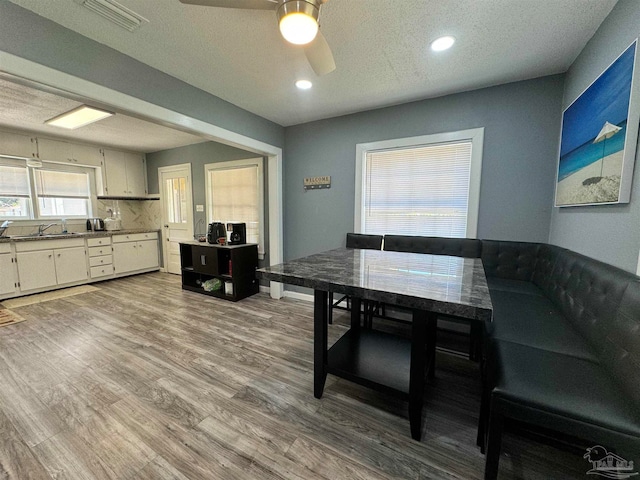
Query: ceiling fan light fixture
(298,20)
(443,43)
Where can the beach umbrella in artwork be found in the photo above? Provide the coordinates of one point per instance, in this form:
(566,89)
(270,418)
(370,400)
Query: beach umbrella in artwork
(608,131)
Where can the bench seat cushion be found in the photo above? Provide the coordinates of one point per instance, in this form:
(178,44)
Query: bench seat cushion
(534,321)
(562,386)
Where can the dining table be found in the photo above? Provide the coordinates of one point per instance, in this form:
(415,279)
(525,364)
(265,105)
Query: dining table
(428,285)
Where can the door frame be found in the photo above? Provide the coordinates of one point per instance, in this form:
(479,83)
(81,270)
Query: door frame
(28,72)
(169,169)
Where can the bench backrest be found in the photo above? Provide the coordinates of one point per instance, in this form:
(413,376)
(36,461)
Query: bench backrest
(458,247)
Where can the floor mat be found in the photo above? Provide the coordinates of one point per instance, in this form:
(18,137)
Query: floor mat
(45,297)
(7,317)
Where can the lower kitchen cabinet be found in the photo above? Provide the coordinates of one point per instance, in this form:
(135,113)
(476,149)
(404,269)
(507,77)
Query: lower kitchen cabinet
(135,252)
(8,282)
(36,270)
(71,265)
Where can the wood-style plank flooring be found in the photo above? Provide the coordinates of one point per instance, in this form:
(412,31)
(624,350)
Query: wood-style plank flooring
(141,380)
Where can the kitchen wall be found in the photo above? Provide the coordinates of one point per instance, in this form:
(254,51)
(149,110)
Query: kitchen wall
(522,125)
(609,232)
(198,156)
(133,213)
(27,35)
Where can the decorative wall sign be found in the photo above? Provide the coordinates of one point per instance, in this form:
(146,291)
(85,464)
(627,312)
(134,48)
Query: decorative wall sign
(597,150)
(314,183)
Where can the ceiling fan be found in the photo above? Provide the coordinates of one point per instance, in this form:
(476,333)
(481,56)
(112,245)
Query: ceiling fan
(298,20)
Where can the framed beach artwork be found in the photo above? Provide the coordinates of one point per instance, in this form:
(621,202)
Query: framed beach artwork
(598,138)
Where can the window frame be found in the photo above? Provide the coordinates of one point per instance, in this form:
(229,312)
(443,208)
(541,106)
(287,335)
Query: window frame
(474,135)
(228,165)
(34,208)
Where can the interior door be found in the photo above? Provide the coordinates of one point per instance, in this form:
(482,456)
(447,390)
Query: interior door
(177,212)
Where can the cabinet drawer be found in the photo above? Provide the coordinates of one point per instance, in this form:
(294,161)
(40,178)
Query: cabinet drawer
(99,251)
(135,237)
(101,271)
(5,248)
(205,260)
(97,242)
(101,260)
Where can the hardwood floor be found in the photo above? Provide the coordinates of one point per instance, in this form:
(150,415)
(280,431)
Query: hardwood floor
(141,380)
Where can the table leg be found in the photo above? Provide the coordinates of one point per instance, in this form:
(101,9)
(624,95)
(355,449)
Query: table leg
(355,314)
(432,333)
(416,373)
(320,341)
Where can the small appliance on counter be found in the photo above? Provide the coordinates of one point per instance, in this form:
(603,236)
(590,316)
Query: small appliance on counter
(216,233)
(95,224)
(238,233)
(112,224)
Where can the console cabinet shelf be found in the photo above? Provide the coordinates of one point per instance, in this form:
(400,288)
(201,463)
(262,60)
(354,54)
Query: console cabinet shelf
(202,261)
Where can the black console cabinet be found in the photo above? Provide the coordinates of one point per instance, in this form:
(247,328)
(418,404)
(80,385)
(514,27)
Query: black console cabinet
(203,261)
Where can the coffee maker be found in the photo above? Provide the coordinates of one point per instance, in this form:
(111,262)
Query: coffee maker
(238,233)
(215,232)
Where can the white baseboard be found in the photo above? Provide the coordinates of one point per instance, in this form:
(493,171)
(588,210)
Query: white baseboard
(299,296)
(264,289)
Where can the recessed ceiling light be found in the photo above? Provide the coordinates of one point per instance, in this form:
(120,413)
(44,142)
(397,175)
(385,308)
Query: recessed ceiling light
(78,117)
(304,84)
(442,43)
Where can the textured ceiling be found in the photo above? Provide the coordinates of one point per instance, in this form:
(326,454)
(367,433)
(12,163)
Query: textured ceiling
(25,108)
(380,48)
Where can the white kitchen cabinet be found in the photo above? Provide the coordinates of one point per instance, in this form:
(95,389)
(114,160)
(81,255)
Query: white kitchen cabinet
(36,270)
(18,145)
(7,278)
(71,265)
(134,252)
(124,174)
(67,152)
(148,254)
(43,264)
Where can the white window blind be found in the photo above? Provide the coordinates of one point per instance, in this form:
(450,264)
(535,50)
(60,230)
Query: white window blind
(62,193)
(234,196)
(56,184)
(14,181)
(419,190)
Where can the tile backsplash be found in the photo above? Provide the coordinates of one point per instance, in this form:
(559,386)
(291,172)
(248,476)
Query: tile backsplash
(145,214)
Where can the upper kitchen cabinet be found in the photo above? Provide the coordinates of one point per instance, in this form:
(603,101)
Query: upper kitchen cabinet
(66,152)
(124,174)
(18,145)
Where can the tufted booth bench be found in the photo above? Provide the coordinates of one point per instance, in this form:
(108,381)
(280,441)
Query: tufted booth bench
(563,349)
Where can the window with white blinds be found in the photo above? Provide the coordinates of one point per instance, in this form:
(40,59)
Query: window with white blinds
(62,193)
(47,192)
(235,194)
(420,186)
(14,191)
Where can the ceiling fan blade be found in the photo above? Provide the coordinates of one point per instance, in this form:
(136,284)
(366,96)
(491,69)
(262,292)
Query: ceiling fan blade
(245,4)
(319,55)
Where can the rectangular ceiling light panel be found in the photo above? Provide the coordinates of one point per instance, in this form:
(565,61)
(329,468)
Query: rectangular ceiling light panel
(78,117)
(115,13)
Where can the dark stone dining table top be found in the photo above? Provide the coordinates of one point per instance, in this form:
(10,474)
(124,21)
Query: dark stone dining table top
(438,283)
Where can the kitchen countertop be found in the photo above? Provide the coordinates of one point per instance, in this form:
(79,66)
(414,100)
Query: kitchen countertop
(60,236)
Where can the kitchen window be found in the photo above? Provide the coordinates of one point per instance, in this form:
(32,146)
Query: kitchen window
(235,194)
(426,185)
(48,192)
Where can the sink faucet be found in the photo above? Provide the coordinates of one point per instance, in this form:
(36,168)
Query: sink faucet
(43,227)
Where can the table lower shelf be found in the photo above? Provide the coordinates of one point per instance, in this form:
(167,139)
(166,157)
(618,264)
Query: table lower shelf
(374,359)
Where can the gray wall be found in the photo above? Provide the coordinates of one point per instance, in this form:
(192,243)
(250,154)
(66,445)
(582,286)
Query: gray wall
(198,156)
(609,232)
(522,125)
(27,35)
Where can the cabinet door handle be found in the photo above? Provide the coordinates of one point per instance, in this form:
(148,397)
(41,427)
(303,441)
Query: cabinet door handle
(203,259)
(58,254)
(50,256)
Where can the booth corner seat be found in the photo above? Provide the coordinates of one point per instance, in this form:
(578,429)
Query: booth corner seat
(563,349)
